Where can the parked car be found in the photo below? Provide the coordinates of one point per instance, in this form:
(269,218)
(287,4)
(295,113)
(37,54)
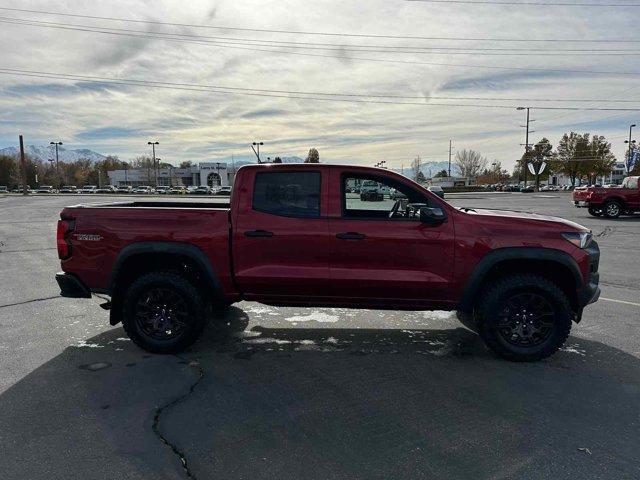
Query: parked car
(527,189)
(106,189)
(143,190)
(89,189)
(310,249)
(162,190)
(46,189)
(124,189)
(202,191)
(18,189)
(178,190)
(223,191)
(3,189)
(610,202)
(437,190)
(69,189)
(370,191)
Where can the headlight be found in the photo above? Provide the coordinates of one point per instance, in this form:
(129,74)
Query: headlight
(579,239)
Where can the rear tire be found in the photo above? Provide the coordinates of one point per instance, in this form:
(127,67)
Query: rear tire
(163,313)
(612,209)
(524,318)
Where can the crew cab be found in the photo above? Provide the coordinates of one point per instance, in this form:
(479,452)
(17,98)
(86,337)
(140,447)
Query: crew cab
(294,235)
(612,201)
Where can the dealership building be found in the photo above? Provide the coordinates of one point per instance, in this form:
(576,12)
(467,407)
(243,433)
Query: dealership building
(210,174)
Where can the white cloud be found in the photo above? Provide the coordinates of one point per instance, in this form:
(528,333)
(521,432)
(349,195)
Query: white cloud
(197,126)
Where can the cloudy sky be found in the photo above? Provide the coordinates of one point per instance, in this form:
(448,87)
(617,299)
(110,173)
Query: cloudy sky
(408,95)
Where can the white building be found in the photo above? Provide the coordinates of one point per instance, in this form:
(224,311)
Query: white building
(205,174)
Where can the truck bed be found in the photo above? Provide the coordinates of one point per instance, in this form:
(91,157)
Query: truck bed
(207,203)
(102,232)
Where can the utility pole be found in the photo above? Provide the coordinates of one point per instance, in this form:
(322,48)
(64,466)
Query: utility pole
(23,164)
(449,158)
(153,149)
(526,144)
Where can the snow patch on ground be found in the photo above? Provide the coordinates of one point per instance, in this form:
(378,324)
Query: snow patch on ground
(83,343)
(267,340)
(574,349)
(439,315)
(260,310)
(315,316)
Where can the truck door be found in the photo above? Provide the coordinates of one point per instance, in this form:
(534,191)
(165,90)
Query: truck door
(385,256)
(281,234)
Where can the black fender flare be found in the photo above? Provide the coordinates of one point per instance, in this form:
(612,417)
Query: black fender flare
(494,257)
(188,250)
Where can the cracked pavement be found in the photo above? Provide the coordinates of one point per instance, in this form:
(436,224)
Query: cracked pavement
(318,393)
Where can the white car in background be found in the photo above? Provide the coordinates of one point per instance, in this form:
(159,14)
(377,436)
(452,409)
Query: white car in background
(89,189)
(144,190)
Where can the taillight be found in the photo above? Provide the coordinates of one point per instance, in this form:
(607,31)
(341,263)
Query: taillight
(64,247)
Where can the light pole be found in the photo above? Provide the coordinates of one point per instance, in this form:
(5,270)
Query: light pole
(125,166)
(153,149)
(526,145)
(257,145)
(449,158)
(56,144)
(629,142)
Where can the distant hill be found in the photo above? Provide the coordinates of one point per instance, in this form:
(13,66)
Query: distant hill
(45,152)
(430,169)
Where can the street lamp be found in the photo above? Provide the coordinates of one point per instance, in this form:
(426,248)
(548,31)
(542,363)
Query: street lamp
(56,144)
(153,149)
(257,145)
(629,142)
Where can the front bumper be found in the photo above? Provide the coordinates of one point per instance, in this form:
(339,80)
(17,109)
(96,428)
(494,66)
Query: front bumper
(580,203)
(590,291)
(71,286)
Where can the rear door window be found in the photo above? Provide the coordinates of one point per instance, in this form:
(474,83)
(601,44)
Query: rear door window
(288,194)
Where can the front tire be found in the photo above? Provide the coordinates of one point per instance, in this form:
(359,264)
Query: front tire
(163,313)
(524,318)
(595,212)
(612,209)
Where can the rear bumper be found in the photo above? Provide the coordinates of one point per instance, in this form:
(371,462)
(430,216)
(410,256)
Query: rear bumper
(71,286)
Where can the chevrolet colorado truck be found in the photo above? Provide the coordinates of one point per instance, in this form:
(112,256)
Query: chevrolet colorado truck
(610,202)
(295,235)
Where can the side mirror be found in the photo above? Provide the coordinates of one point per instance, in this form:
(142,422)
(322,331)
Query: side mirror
(432,216)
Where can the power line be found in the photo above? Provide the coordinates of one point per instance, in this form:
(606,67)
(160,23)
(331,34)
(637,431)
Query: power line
(528,3)
(272,93)
(368,59)
(340,47)
(328,34)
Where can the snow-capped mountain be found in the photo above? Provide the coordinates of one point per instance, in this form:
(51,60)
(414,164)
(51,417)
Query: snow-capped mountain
(429,169)
(45,152)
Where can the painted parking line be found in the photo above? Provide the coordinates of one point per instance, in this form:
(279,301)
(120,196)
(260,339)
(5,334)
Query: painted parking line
(620,301)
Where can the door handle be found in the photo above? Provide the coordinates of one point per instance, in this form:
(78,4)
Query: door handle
(258,233)
(350,236)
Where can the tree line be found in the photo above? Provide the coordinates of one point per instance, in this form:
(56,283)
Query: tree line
(80,172)
(579,156)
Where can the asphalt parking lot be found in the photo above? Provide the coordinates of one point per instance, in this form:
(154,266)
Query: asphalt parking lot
(321,393)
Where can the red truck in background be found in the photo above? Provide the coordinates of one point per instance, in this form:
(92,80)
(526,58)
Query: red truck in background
(612,201)
(301,235)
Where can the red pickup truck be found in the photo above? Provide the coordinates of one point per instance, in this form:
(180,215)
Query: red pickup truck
(610,202)
(300,235)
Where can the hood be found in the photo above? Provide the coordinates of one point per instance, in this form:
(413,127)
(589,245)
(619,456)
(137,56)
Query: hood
(525,216)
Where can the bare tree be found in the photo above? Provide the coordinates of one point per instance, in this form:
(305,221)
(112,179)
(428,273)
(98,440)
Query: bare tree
(313,156)
(470,163)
